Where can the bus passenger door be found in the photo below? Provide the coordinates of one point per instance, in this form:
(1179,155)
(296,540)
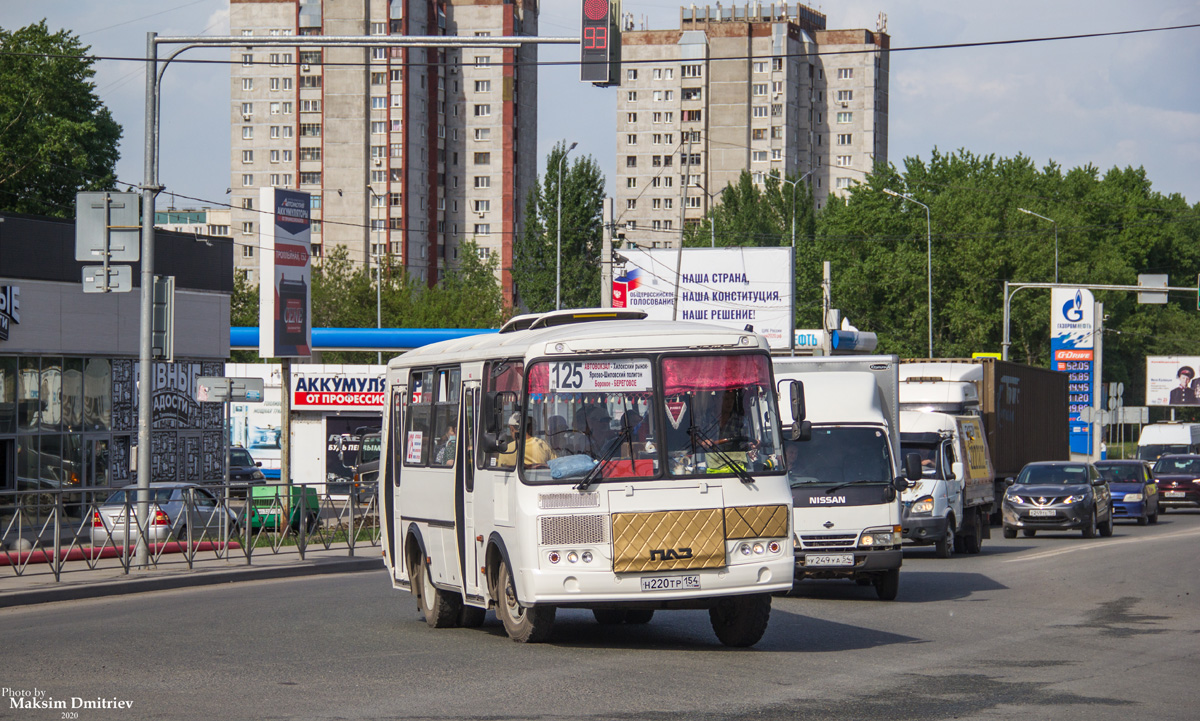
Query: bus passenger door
(464,493)
(389,484)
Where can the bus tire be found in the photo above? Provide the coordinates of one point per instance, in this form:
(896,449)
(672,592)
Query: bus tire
(441,608)
(741,621)
(523,624)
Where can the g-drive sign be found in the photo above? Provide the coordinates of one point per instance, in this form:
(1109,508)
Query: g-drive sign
(600,376)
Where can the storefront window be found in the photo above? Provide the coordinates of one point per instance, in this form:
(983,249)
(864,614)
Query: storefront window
(28,406)
(51,394)
(50,463)
(8,395)
(27,461)
(72,394)
(97,395)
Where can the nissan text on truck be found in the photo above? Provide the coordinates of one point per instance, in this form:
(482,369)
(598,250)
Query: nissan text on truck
(846,478)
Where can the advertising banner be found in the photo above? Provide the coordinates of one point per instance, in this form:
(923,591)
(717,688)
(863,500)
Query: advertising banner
(733,287)
(1072,331)
(1172,381)
(285,276)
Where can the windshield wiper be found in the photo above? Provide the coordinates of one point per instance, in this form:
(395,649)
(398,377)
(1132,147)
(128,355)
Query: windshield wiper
(736,467)
(850,483)
(621,437)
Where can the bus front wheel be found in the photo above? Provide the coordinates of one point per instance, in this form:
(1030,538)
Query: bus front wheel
(741,620)
(523,624)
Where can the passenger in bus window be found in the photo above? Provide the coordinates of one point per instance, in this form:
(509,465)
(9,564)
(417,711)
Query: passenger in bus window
(600,433)
(447,444)
(537,451)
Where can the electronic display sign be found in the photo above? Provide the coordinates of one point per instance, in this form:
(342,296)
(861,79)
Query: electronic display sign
(596,38)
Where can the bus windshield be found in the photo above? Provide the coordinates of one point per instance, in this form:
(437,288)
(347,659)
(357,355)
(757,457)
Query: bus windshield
(602,417)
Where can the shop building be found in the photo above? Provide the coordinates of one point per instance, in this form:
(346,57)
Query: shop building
(69,362)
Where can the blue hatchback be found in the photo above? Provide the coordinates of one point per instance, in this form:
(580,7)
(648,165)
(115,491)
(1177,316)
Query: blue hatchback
(1134,490)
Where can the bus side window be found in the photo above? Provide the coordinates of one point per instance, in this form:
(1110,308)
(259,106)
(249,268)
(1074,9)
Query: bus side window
(468,441)
(417,440)
(502,387)
(446,417)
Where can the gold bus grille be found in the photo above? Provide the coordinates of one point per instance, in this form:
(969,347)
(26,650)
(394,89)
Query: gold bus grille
(668,540)
(756,522)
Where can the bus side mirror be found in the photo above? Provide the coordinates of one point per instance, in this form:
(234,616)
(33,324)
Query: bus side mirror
(912,466)
(796,393)
(802,431)
(490,408)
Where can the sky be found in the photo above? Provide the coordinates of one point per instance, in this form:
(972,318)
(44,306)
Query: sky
(1129,100)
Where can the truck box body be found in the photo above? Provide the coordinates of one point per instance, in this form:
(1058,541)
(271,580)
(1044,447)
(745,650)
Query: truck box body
(1024,408)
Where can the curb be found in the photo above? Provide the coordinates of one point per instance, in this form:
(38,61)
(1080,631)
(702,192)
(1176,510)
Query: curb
(190,579)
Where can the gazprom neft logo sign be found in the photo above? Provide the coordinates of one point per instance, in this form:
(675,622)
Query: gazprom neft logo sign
(10,308)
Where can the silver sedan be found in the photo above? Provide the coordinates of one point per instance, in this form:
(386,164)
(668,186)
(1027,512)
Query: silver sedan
(174,509)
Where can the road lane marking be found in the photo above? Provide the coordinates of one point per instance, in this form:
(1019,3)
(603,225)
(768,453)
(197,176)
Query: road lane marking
(1141,539)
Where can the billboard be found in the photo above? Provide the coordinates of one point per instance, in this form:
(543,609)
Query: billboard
(1171,381)
(733,287)
(285,276)
(1072,351)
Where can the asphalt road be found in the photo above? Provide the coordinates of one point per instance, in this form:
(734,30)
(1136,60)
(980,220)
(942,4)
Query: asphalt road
(1054,627)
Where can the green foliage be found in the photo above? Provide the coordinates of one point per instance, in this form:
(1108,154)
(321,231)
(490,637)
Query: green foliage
(535,256)
(1110,229)
(56,137)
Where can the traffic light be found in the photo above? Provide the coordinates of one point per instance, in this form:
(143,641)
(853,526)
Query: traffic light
(596,40)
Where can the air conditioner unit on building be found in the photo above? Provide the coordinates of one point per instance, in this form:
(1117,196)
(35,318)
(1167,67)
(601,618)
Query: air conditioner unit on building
(378,161)
(304,66)
(845,104)
(246,118)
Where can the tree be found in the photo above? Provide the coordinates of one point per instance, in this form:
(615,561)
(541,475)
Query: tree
(56,137)
(535,250)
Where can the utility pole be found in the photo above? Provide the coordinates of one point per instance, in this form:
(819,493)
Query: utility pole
(606,255)
(682,225)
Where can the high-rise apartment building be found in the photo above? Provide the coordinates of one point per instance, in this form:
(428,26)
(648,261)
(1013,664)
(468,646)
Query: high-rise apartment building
(759,88)
(407,151)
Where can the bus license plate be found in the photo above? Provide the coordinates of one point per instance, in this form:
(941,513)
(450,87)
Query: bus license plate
(1043,512)
(829,559)
(670,583)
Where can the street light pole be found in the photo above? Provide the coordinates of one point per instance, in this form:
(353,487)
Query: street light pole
(1030,212)
(928,260)
(795,184)
(378,282)
(558,245)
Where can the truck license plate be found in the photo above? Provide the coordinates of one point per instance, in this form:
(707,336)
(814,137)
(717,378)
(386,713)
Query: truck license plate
(1173,494)
(670,583)
(1043,512)
(828,559)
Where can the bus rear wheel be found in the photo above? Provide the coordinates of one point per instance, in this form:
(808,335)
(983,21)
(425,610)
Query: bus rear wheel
(523,624)
(741,620)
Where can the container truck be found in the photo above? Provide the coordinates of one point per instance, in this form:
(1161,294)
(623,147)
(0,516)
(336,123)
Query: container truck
(847,477)
(1024,408)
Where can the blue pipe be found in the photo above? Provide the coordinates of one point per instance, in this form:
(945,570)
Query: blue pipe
(361,339)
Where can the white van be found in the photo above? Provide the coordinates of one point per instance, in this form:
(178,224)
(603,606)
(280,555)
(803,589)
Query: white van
(1160,439)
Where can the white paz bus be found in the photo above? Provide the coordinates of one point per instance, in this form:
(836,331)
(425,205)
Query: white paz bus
(588,459)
